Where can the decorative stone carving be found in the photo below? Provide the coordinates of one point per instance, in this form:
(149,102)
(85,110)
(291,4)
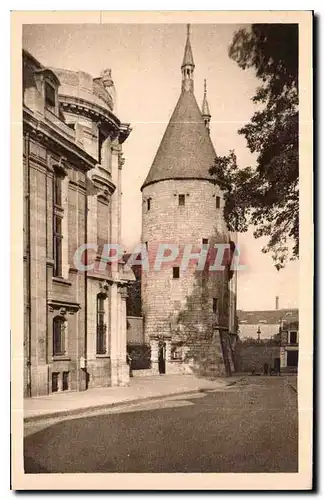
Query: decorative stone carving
(104,287)
(123,292)
(121,160)
(106,77)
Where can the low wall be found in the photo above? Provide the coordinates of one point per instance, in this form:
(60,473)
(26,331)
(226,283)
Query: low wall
(255,354)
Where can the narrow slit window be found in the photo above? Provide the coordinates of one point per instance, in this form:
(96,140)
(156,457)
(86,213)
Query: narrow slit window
(215,305)
(217,201)
(176,272)
(182,200)
(148,204)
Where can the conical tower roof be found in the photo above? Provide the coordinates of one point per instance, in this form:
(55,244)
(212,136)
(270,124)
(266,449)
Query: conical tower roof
(186,150)
(205,107)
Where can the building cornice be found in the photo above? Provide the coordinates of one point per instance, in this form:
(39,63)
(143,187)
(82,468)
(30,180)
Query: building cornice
(103,183)
(47,132)
(97,113)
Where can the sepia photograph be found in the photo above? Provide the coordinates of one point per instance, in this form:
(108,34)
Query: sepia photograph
(165,180)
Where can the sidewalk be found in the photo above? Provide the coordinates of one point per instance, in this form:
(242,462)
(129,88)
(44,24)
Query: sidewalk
(140,389)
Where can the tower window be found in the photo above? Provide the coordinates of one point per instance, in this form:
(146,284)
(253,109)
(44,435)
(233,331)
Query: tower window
(182,200)
(176,272)
(148,204)
(217,201)
(215,305)
(205,241)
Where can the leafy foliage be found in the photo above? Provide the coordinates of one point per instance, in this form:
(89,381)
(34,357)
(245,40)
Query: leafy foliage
(267,196)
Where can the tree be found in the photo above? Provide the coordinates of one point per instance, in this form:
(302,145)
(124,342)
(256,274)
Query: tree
(267,196)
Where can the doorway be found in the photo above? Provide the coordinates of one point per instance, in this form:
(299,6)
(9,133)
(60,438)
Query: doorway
(161,358)
(277,365)
(292,358)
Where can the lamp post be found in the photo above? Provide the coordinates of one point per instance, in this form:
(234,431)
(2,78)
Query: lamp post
(259,333)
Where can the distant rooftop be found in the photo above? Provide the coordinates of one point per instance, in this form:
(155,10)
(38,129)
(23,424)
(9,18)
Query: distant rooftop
(269,317)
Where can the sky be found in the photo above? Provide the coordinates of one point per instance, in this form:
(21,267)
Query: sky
(145,60)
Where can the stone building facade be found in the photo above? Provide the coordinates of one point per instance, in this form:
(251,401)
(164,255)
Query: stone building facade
(75,320)
(188,313)
(289,342)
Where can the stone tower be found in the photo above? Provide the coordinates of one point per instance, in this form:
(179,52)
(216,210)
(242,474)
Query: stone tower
(185,308)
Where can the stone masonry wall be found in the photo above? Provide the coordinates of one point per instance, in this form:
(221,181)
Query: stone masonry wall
(255,354)
(179,307)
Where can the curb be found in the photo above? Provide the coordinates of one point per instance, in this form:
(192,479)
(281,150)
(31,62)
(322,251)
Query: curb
(293,387)
(90,409)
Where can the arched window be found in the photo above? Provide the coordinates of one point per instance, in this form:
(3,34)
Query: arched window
(59,326)
(101,324)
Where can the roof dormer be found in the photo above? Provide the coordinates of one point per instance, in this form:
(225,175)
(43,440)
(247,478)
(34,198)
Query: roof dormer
(48,84)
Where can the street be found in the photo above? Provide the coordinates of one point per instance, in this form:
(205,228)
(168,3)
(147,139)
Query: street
(251,426)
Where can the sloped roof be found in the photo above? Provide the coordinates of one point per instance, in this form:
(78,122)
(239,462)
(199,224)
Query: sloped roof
(186,150)
(270,317)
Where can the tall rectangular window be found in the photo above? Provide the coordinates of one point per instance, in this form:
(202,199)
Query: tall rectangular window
(57,244)
(215,305)
(182,200)
(293,338)
(148,204)
(176,272)
(65,381)
(55,380)
(101,324)
(57,195)
(217,201)
(101,139)
(59,336)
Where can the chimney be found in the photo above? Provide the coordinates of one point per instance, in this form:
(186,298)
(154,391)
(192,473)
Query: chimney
(277,303)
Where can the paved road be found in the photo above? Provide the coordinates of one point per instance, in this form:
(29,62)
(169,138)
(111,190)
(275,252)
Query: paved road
(249,427)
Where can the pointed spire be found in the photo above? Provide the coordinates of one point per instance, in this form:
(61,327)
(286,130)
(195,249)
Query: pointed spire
(188,66)
(188,57)
(205,107)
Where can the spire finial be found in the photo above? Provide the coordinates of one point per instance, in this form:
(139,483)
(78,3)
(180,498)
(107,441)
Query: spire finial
(205,108)
(188,30)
